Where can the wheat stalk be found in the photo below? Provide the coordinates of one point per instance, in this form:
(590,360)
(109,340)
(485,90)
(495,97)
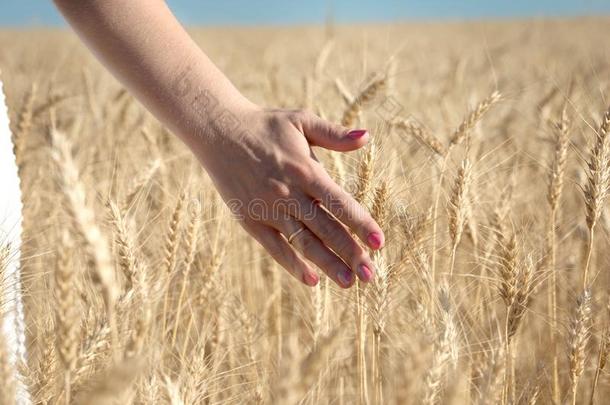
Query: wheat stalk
(596,189)
(459,135)
(554,196)
(604,348)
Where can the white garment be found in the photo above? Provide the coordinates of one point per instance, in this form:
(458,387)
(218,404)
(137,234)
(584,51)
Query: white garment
(11,309)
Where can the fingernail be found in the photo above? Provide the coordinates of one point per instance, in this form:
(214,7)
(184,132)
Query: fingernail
(365,273)
(375,240)
(310,279)
(356,133)
(345,277)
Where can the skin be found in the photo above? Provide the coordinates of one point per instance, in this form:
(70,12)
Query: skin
(261,160)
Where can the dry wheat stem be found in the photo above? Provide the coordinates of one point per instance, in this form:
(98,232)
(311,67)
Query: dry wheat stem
(554,197)
(602,357)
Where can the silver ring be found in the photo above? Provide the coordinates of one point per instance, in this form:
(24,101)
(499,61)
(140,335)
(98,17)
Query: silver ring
(295,234)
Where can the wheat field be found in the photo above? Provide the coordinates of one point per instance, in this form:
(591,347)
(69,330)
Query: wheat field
(489,169)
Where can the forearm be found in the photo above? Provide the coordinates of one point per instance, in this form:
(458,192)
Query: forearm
(148,50)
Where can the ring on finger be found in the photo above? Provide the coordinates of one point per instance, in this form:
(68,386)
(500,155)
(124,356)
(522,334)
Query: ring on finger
(295,234)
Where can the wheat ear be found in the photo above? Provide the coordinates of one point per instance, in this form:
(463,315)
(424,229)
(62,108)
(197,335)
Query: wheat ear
(170,253)
(508,289)
(471,120)
(139,183)
(124,244)
(66,313)
(24,125)
(456,208)
(523,295)
(413,128)
(84,223)
(596,189)
(45,370)
(578,338)
(445,349)
(365,173)
(192,237)
(459,135)
(368,93)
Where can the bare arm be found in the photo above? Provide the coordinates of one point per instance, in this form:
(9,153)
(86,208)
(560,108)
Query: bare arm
(260,160)
(148,50)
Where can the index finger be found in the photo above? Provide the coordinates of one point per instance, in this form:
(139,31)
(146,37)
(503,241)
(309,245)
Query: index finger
(346,209)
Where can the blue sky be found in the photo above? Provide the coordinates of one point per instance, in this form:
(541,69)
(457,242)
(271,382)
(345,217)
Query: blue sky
(251,12)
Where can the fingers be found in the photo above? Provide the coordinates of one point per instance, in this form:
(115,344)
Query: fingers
(322,133)
(343,206)
(314,250)
(283,253)
(336,237)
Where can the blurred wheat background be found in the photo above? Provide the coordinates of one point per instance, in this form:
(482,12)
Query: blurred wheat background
(489,170)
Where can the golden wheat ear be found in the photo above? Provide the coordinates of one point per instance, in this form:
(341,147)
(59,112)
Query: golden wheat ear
(12,323)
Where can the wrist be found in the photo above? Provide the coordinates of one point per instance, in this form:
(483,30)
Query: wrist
(207,113)
(224,122)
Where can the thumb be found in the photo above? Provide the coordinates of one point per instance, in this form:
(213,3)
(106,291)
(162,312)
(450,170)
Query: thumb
(331,136)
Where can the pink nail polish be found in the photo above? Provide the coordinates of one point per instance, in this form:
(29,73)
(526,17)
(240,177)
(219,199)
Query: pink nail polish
(345,277)
(365,273)
(310,279)
(375,240)
(356,133)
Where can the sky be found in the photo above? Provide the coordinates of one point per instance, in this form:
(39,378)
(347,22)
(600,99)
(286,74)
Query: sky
(287,12)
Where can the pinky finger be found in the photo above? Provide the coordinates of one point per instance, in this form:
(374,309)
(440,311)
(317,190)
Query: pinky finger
(281,251)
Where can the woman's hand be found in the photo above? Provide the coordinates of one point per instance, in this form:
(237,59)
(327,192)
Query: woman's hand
(260,160)
(264,168)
